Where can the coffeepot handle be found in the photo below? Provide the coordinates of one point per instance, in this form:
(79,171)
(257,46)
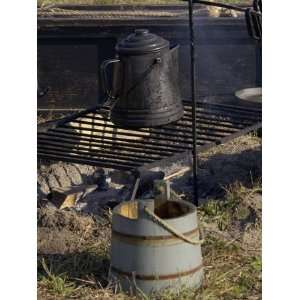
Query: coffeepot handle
(103,76)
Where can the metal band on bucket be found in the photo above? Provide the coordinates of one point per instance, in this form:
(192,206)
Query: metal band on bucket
(157,277)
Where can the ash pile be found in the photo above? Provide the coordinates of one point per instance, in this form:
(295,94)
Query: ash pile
(89,189)
(78,187)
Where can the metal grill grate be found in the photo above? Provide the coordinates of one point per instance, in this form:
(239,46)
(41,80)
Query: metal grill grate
(90,138)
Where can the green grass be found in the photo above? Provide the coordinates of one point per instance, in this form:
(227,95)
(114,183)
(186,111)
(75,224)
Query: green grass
(230,272)
(222,212)
(56,284)
(233,270)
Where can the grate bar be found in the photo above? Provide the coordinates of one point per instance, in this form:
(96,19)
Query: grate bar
(165,145)
(117,157)
(98,148)
(237,115)
(155,134)
(185,156)
(168,130)
(104,157)
(171,127)
(133,136)
(121,141)
(73,139)
(214,122)
(221,106)
(84,160)
(90,138)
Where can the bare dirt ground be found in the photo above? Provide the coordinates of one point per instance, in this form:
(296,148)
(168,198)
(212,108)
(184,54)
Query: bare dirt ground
(73,248)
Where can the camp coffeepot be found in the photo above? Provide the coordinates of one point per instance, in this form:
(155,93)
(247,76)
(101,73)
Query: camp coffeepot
(145,83)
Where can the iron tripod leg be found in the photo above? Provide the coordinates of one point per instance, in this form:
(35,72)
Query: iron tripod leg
(194,104)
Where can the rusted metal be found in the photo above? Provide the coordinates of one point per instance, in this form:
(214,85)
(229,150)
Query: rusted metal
(138,239)
(158,277)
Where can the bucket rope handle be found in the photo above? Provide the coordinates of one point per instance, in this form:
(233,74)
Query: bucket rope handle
(171,229)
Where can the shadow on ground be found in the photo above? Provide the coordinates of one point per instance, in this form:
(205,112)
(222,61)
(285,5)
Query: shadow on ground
(72,245)
(220,171)
(79,266)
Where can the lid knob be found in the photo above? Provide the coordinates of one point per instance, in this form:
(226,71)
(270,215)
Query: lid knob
(141,31)
(141,41)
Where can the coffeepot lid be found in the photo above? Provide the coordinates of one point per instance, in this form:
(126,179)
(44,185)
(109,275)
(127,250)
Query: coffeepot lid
(140,42)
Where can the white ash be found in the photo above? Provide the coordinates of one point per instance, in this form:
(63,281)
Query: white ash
(52,175)
(60,174)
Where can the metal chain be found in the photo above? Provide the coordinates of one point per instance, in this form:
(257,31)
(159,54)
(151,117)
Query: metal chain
(171,229)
